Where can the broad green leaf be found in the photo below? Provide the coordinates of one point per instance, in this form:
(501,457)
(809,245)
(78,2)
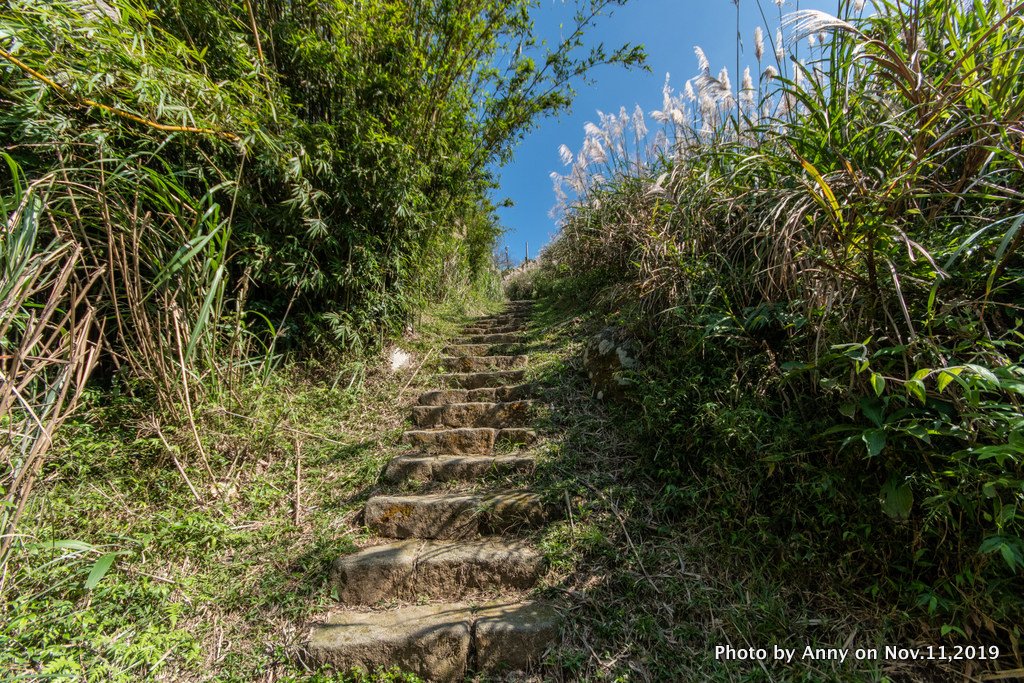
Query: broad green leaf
(915,388)
(877,383)
(874,439)
(897,498)
(872,409)
(947,375)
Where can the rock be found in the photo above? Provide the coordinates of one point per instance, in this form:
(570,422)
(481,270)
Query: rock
(438,642)
(453,515)
(432,641)
(504,414)
(458,441)
(483,363)
(427,516)
(455,467)
(513,636)
(413,569)
(469,440)
(478,380)
(607,359)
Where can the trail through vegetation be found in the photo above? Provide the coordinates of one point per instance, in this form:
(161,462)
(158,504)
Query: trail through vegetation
(219,214)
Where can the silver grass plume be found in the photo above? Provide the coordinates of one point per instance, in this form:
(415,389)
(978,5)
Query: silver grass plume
(758,43)
(660,142)
(808,22)
(747,92)
(665,113)
(557,181)
(702,60)
(688,92)
(770,73)
(639,125)
(565,154)
(780,53)
(594,151)
(858,6)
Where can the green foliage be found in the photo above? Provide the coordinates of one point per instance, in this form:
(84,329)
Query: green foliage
(219,183)
(826,272)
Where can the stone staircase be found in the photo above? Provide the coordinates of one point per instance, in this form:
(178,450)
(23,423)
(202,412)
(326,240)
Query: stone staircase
(445,594)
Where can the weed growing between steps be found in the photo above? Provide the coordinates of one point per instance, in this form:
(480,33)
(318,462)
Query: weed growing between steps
(654,576)
(123,575)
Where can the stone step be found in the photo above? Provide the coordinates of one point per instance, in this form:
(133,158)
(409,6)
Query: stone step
(476,414)
(505,329)
(440,643)
(453,515)
(502,338)
(414,569)
(482,349)
(439,397)
(468,440)
(480,380)
(495,326)
(506,317)
(443,468)
(483,363)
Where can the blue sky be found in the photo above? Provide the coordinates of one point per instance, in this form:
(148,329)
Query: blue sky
(669,29)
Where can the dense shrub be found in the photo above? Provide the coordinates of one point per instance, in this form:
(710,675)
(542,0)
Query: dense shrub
(825,266)
(234,179)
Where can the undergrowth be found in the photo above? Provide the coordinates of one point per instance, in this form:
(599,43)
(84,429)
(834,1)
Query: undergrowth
(139,563)
(822,270)
(658,568)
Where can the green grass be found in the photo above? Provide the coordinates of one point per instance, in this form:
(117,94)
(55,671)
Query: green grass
(217,590)
(651,593)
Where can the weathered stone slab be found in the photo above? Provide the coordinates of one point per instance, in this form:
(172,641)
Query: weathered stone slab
(442,468)
(455,569)
(432,641)
(492,338)
(427,516)
(518,392)
(440,397)
(453,515)
(374,574)
(413,569)
(469,440)
(504,512)
(483,363)
(476,414)
(463,440)
(468,349)
(513,636)
(507,328)
(477,380)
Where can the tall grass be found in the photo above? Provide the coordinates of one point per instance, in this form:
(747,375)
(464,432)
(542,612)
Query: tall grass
(828,258)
